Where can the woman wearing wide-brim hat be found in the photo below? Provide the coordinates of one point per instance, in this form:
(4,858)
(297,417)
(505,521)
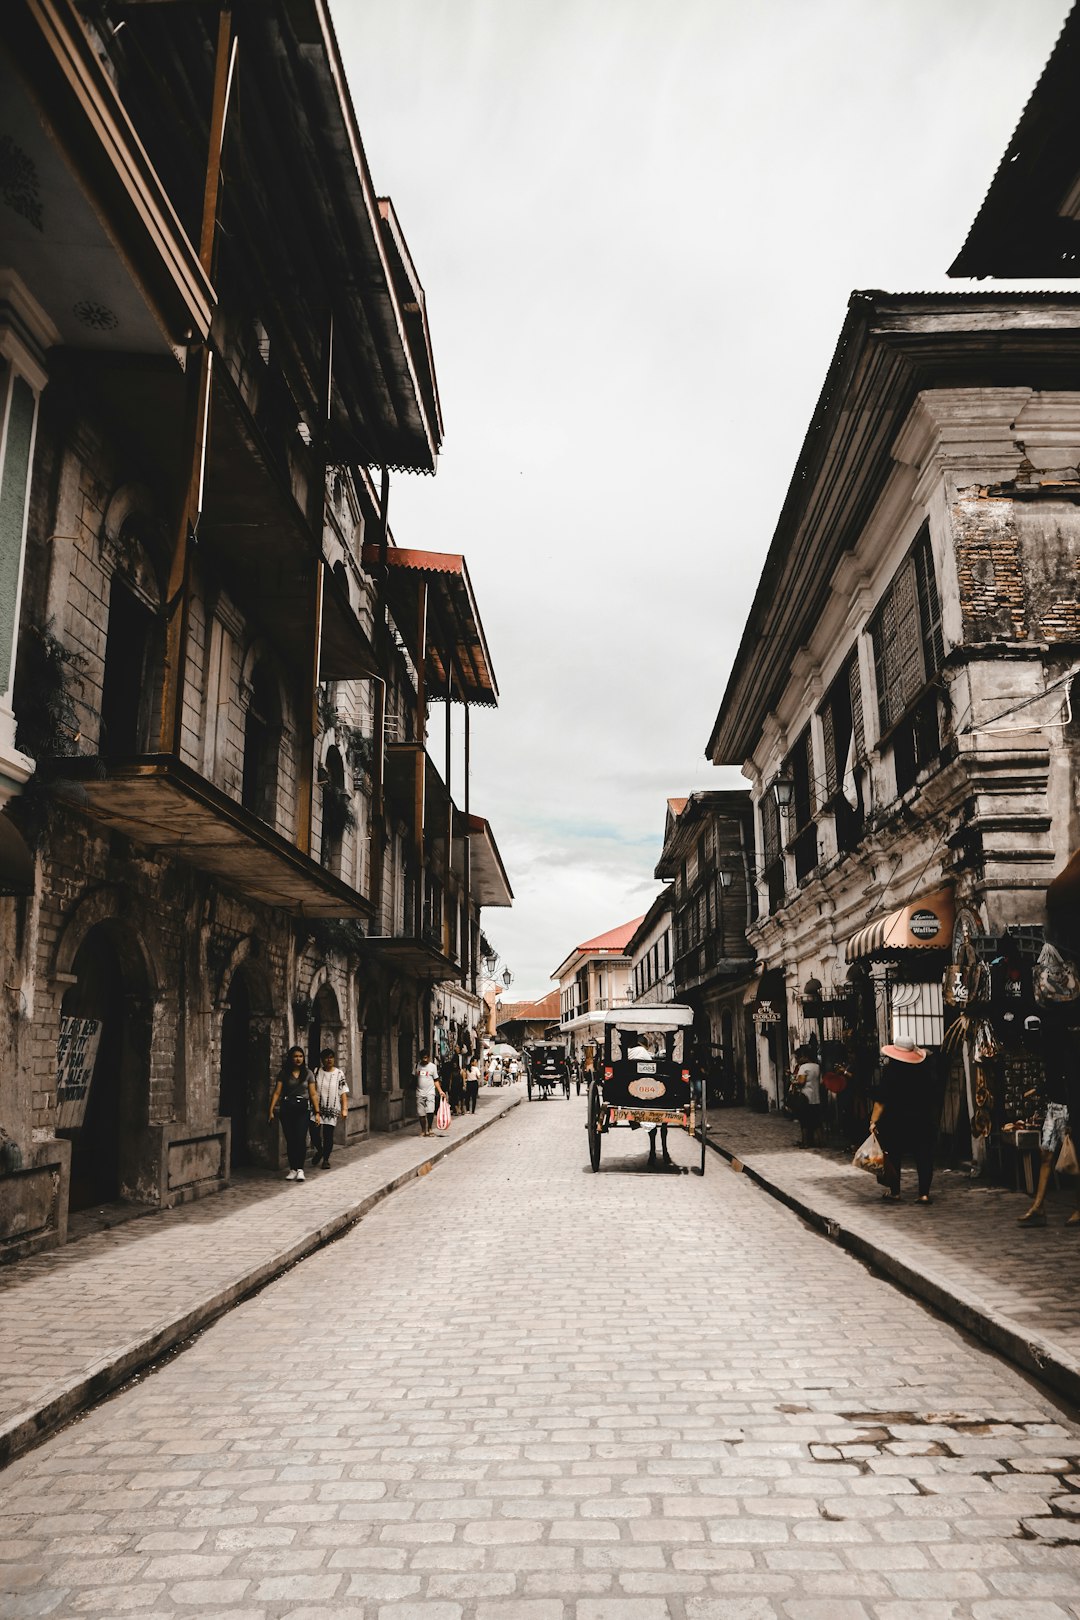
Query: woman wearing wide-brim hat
(905,1116)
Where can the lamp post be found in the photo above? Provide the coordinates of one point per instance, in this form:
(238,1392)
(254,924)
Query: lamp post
(783,788)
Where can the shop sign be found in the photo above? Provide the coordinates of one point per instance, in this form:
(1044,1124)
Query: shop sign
(924,924)
(766,1013)
(76,1054)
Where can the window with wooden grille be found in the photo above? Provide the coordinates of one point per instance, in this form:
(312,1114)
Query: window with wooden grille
(842,730)
(908,655)
(773,849)
(802,829)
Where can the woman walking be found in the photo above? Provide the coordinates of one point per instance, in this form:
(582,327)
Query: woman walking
(297,1100)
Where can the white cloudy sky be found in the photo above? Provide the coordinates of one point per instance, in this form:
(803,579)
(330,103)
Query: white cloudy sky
(638,223)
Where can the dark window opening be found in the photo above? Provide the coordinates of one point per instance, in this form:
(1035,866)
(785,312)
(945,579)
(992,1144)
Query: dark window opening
(131,676)
(262,739)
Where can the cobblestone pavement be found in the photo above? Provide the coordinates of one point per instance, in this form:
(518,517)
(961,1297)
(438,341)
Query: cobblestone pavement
(965,1252)
(77,1320)
(519,1391)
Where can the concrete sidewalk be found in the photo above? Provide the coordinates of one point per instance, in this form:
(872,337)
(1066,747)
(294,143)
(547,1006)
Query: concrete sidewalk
(1013,1287)
(78,1321)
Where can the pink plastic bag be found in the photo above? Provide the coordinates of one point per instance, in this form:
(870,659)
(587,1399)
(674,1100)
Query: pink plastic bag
(442,1118)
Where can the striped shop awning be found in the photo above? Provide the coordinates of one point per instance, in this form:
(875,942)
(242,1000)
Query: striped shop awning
(925,924)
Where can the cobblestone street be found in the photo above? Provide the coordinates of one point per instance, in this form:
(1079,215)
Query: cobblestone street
(520,1391)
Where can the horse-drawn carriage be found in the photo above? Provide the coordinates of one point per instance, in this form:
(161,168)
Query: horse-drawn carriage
(645,1078)
(547,1069)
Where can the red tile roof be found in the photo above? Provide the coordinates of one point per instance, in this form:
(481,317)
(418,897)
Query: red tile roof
(616,939)
(677,806)
(530,1011)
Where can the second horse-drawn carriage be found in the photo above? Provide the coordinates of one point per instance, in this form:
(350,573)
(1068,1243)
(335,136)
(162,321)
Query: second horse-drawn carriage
(547,1069)
(645,1078)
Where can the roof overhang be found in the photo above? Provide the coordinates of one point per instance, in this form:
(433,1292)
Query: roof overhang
(164,804)
(453,620)
(488,882)
(891,348)
(91,230)
(667,1016)
(1029,221)
(923,925)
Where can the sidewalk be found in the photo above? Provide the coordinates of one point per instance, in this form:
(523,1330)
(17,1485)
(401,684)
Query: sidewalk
(77,1321)
(1014,1288)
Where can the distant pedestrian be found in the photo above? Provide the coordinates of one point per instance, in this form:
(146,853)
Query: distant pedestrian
(905,1116)
(333,1090)
(586,1071)
(457,1083)
(427,1088)
(295,1099)
(472,1086)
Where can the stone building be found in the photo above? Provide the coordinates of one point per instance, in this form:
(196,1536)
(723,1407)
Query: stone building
(708,863)
(592,979)
(905,701)
(223,832)
(652,973)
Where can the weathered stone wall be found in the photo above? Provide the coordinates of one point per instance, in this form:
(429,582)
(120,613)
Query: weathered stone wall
(1018,567)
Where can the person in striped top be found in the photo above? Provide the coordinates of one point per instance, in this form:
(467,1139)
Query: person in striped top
(332,1090)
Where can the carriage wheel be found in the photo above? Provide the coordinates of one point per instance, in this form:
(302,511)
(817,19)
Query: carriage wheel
(594,1125)
(701,1130)
(528,1083)
(566,1088)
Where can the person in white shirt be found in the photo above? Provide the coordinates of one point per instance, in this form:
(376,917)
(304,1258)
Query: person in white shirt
(641,1052)
(332,1090)
(806,1096)
(427,1089)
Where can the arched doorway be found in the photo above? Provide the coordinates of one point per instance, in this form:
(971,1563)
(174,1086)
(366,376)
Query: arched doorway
(245,1067)
(325,1026)
(102,1097)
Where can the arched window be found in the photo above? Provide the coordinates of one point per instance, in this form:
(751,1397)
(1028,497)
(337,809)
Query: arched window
(337,811)
(262,742)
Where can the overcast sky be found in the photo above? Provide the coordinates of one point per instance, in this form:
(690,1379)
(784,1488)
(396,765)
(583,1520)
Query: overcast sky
(637,223)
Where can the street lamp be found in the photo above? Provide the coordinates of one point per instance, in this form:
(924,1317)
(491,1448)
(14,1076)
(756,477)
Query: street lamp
(783,788)
(724,876)
(507,977)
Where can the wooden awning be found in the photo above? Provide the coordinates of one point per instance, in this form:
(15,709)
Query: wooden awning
(164,804)
(924,925)
(455,634)
(418,957)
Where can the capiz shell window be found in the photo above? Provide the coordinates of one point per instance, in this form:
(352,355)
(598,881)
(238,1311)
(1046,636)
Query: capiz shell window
(918,1013)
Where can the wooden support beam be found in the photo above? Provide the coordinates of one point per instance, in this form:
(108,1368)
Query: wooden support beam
(421,753)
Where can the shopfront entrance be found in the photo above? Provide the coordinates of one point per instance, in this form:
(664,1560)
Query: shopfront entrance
(103,1065)
(245,1066)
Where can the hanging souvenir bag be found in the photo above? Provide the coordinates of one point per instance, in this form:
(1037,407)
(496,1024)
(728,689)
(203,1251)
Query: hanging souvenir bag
(1067,1162)
(1054,978)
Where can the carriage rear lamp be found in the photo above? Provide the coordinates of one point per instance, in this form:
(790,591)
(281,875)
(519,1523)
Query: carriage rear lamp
(608,1072)
(686,1074)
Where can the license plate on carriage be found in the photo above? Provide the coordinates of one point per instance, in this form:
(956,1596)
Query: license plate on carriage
(649,1116)
(646,1068)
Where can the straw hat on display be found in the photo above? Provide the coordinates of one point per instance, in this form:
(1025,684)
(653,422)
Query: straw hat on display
(904,1050)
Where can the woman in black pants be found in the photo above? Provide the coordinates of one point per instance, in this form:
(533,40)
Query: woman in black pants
(296,1099)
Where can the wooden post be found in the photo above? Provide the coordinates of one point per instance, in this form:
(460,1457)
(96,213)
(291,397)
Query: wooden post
(468,966)
(310,729)
(421,750)
(449,808)
(196,418)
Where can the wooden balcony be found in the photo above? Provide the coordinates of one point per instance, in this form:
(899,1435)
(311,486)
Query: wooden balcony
(162,803)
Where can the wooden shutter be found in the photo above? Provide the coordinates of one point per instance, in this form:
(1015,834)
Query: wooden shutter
(828,733)
(855,695)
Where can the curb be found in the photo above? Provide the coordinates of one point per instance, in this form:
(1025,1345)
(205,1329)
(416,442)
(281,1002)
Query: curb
(1033,1355)
(27,1429)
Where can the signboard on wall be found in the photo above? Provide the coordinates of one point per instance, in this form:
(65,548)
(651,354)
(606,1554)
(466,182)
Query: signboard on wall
(76,1054)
